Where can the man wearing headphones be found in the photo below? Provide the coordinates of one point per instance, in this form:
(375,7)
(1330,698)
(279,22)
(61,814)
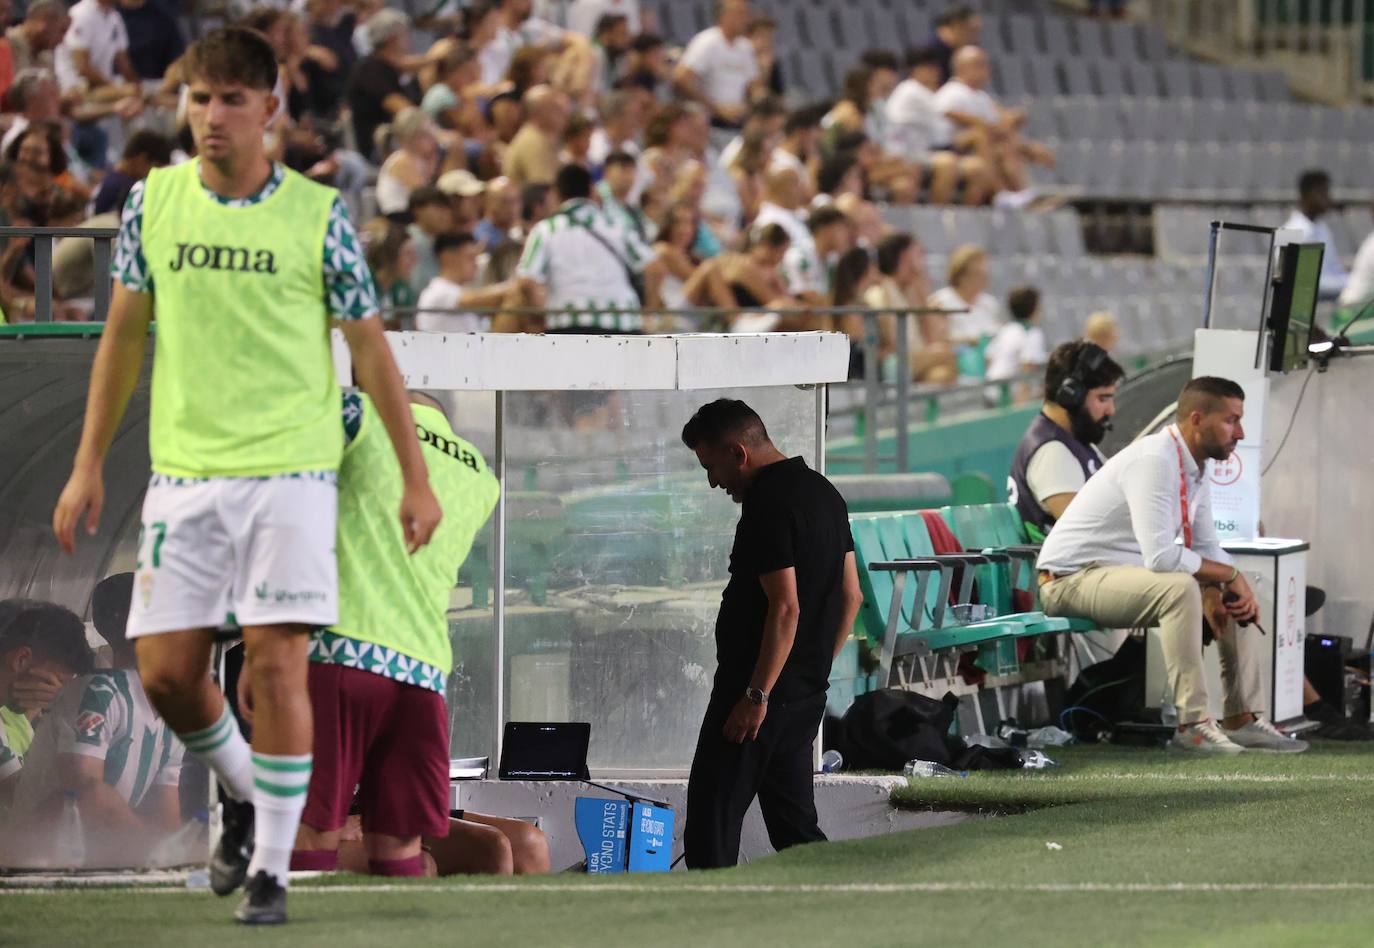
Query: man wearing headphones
(1058,453)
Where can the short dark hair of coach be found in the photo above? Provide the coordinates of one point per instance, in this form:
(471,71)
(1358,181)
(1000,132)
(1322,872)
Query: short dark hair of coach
(788,608)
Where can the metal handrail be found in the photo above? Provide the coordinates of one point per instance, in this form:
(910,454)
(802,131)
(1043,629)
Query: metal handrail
(44,239)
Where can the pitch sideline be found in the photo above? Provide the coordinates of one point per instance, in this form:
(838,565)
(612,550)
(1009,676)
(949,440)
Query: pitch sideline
(621,888)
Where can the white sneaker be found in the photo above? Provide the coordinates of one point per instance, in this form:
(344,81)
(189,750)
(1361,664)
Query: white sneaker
(1203,738)
(1259,734)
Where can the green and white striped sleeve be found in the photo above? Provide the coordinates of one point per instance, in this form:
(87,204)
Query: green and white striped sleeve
(97,719)
(637,250)
(534,262)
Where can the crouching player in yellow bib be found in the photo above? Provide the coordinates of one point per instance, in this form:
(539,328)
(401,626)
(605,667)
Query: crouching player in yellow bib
(242,263)
(378,675)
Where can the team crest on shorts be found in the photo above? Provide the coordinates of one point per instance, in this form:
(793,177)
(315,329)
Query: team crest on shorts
(145,588)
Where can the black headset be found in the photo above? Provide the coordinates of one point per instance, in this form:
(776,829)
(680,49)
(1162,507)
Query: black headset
(1073,391)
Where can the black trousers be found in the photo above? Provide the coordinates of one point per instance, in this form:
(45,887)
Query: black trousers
(776,767)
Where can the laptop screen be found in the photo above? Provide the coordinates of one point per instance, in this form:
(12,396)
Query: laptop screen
(533,751)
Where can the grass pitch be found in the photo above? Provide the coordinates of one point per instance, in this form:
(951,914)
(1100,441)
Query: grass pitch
(1148,849)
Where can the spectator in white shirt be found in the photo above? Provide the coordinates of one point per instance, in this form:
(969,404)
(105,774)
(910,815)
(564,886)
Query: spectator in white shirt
(965,101)
(782,203)
(1359,288)
(967,290)
(720,67)
(578,263)
(1314,203)
(92,65)
(622,122)
(95,52)
(1114,557)
(916,128)
(1019,346)
(810,267)
(441,302)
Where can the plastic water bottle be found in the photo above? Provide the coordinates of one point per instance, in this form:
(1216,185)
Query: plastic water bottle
(1036,760)
(1050,736)
(831,762)
(926,768)
(70,850)
(189,844)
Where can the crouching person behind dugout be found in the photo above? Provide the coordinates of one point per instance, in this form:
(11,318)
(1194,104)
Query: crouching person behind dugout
(378,677)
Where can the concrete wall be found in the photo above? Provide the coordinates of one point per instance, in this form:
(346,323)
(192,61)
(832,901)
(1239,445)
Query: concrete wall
(851,807)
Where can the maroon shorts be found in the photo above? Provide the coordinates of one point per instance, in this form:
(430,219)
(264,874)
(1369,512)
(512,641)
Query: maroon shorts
(388,740)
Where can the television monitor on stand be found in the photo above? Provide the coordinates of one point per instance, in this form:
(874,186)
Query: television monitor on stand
(1293,311)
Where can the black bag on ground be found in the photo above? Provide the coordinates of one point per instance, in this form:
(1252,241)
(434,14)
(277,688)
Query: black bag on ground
(1107,693)
(884,729)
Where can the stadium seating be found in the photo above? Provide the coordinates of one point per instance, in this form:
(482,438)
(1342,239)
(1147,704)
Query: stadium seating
(908,589)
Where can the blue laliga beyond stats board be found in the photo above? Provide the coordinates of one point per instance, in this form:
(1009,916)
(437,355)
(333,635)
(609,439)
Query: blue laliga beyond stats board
(618,836)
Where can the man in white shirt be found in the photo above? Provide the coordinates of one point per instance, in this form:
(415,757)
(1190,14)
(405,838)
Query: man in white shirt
(1314,203)
(915,125)
(719,67)
(809,268)
(440,306)
(918,129)
(1058,452)
(622,122)
(965,101)
(95,51)
(577,265)
(1359,288)
(1115,557)
(782,201)
(102,740)
(1019,346)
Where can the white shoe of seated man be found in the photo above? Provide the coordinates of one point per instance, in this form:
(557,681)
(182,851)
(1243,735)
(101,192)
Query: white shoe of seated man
(1260,735)
(1204,737)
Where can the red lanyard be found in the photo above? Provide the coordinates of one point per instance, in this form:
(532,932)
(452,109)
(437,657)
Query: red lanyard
(1183,493)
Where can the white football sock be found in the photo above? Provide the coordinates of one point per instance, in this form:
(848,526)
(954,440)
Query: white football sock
(221,747)
(280,783)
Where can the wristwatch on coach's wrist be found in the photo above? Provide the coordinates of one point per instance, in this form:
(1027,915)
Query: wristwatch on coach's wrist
(756,695)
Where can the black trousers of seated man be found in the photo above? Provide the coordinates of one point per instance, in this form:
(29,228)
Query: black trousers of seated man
(777,767)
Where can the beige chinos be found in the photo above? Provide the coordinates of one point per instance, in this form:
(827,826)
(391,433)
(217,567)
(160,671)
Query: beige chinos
(1130,597)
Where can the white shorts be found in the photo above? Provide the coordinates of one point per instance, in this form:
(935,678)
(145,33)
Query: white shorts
(237,550)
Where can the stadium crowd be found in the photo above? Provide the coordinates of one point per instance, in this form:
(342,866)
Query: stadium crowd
(465,141)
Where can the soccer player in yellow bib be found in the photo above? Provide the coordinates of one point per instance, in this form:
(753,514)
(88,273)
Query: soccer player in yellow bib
(378,676)
(242,263)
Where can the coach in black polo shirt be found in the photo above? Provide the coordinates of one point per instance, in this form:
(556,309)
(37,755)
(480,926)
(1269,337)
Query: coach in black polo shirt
(789,606)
